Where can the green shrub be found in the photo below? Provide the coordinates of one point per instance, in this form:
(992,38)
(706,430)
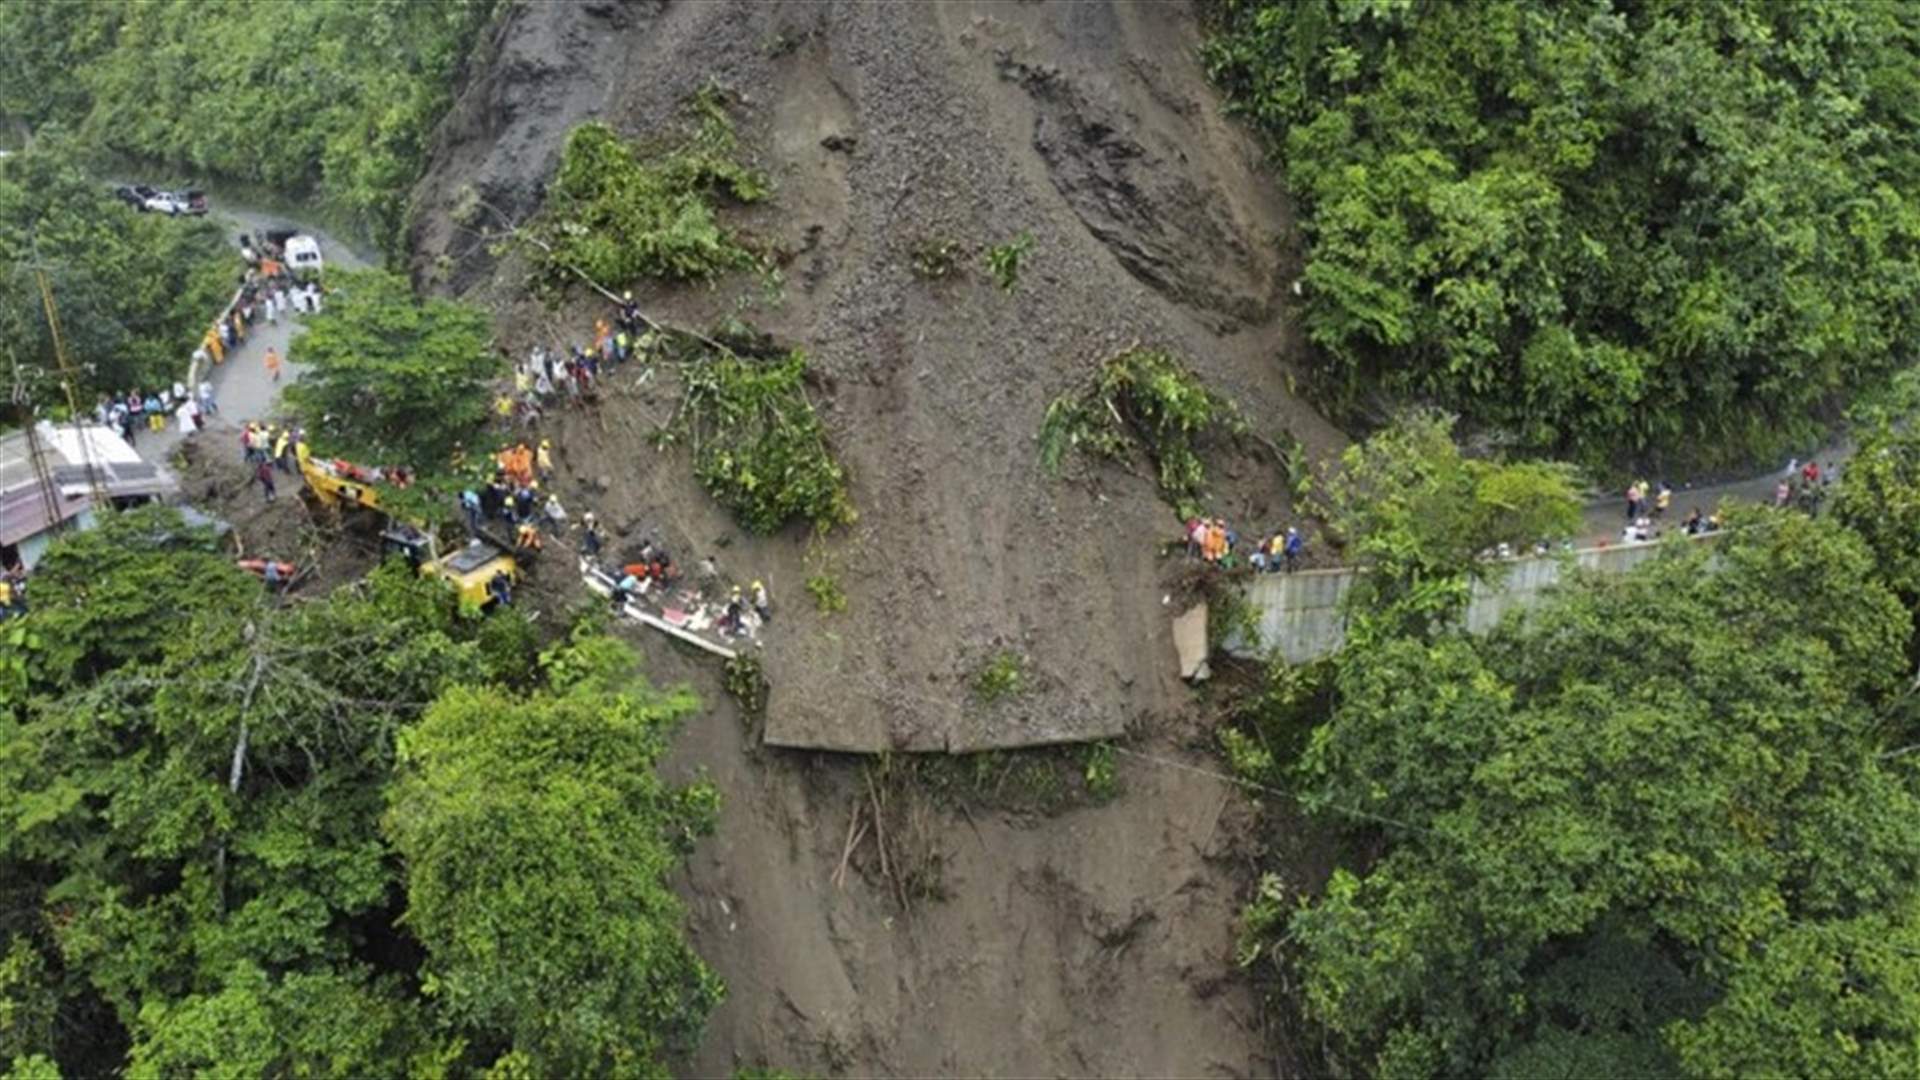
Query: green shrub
(759,447)
(1002,676)
(619,213)
(746,680)
(1100,772)
(1003,260)
(1145,399)
(828,598)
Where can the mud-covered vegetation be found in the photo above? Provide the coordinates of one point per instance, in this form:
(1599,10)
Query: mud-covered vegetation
(1604,229)
(338,836)
(1143,401)
(620,212)
(758,445)
(333,101)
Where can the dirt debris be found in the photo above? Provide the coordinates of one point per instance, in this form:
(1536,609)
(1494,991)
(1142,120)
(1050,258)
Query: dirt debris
(1098,941)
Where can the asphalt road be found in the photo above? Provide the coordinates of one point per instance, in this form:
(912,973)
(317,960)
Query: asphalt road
(241,385)
(1605,518)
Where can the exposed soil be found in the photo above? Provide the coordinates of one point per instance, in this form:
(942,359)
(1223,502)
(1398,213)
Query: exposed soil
(325,551)
(1086,125)
(1096,942)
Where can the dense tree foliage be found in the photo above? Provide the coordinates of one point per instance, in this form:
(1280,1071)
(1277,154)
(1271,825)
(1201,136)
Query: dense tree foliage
(1655,827)
(1409,506)
(392,378)
(537,838)
(195,780)
(134,291)
(1602,226)
(336,100)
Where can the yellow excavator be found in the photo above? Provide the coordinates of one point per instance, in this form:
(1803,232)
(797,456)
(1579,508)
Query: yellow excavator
(470,569)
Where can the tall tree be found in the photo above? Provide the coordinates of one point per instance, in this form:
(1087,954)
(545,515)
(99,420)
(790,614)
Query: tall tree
(193,780)
(1419,515)
(1652,827)
(1605,227)
(393,378)
(538,837)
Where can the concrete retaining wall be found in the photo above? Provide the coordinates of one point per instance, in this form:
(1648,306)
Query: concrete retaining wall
(1301,616)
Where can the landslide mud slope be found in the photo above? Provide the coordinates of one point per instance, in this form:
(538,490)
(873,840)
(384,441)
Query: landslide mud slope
(1098,942)
(1087,125)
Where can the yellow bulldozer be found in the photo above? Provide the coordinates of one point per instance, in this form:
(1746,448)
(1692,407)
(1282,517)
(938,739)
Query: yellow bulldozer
(470,569)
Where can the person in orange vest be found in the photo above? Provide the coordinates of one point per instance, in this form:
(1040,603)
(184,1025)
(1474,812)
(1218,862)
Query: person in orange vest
(273,363)
(214,345)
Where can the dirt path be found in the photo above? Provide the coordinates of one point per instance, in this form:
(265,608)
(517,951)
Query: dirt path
(241,385)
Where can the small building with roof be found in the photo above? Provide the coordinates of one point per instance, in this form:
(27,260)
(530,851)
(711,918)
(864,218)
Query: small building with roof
(47,475)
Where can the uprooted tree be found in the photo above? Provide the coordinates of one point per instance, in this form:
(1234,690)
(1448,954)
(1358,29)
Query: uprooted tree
(1143,401)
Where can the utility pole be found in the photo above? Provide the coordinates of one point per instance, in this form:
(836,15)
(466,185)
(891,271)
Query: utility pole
(80,433)
(36,455)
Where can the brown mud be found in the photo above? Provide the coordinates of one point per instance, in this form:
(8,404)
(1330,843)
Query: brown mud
(1095,941)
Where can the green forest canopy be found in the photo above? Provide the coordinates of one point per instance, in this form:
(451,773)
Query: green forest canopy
(338,837)
(1668,823)
(332,100)
(1602,226)
(135,291)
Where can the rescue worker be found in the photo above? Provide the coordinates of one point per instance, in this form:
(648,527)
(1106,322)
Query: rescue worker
(282,444)
(6,597)
(730,623)
(623,589)
(554,514)
(543,461)
(591,541)
(264,474)
(523,505)
(493,500)
(1295,544)
(527,538)
(470,505)
(500,587)
(762,606)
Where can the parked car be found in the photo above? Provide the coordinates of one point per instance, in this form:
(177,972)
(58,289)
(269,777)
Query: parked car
(134,195)
(166,202)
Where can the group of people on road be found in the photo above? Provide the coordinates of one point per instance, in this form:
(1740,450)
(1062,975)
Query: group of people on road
(1214,542)
(132,411)
(1804,486)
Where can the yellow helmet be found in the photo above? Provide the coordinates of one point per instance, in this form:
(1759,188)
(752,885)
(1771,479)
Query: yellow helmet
(757,586)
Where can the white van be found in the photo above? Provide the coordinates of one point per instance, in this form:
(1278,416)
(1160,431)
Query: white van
(303,257)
